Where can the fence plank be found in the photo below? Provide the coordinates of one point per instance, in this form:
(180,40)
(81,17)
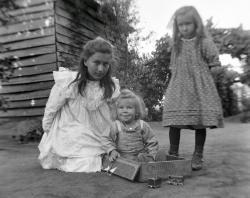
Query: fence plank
(37,69)
(24,26)
(27,103)
(25,3)
(69,59)
(29,79)
(27,35)
(30,17)
(85,8)
(33,9)
(28,95)
(68,24)
(61,47)
(30,43)
(26,87)
(66,40)
(30,51)
(42,59)
(76,36)
(21,112)
(84,19)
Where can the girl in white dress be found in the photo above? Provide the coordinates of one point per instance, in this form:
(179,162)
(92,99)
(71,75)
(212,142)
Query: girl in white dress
(78,112)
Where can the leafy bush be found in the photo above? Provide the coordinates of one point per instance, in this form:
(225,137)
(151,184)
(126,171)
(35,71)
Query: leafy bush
(29,131)
(223,80)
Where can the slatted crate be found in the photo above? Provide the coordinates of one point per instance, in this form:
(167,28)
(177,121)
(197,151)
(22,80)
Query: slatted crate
(135,171)
(173,166)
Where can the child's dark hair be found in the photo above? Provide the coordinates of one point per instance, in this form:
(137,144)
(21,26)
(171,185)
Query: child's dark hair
(91,47)
(200,32)
(140,110)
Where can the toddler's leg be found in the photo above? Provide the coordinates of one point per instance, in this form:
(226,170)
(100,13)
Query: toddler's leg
(161,155)
(174,139)
(200,138)
(144,157)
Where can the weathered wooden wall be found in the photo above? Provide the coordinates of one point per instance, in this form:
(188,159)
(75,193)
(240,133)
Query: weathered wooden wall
(45,35)
(31,38)
(74,27)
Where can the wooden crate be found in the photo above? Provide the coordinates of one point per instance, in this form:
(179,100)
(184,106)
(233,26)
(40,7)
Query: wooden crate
(172,166)
(122,167)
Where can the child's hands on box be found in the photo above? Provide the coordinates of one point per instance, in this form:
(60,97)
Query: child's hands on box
(113,155)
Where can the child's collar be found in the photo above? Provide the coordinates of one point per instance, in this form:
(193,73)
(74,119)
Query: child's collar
(93,81)
(132,128)
(191,39)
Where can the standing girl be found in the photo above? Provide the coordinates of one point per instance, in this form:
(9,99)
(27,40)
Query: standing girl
(191,99)
(78,112)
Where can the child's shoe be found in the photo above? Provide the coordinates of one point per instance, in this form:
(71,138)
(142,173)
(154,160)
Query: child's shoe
(197,160)
(174,150)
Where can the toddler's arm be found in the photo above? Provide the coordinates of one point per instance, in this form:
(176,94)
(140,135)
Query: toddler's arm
(109,139)
(113,155)
(150,141)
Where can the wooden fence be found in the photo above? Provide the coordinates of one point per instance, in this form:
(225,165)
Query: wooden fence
(44,35)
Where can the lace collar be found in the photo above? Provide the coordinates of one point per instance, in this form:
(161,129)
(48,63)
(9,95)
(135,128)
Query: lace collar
(187,40)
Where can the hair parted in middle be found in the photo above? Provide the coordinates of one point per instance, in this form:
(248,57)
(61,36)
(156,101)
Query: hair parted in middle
(200,31)
(90,48)
(137,101)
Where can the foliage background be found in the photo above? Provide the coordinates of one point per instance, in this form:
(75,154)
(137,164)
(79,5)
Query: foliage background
(149,75)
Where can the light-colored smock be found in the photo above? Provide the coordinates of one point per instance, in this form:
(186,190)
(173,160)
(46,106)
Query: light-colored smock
(191,99)
(73,125)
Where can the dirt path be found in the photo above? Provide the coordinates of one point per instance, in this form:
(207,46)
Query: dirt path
(226,173)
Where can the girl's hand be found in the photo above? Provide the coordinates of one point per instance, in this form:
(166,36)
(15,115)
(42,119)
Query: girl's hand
(113,155)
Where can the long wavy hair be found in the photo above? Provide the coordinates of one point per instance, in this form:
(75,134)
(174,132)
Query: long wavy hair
(200,31)
(91,47)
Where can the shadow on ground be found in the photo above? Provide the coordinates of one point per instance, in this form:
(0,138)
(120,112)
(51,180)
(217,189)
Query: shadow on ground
(226,172)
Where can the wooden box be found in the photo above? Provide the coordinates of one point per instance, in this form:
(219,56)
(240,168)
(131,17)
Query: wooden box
(122,167)
(176,166)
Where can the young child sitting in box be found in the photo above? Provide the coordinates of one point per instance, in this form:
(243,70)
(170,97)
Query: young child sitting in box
(130,137)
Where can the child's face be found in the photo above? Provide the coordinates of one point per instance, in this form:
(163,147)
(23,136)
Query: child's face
(126,110)
(186,26)
(98,65)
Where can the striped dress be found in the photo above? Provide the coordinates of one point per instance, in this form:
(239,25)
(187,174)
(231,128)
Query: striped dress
(191,99)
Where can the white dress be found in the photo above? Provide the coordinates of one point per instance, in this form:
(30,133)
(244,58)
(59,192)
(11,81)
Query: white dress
(73,125)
